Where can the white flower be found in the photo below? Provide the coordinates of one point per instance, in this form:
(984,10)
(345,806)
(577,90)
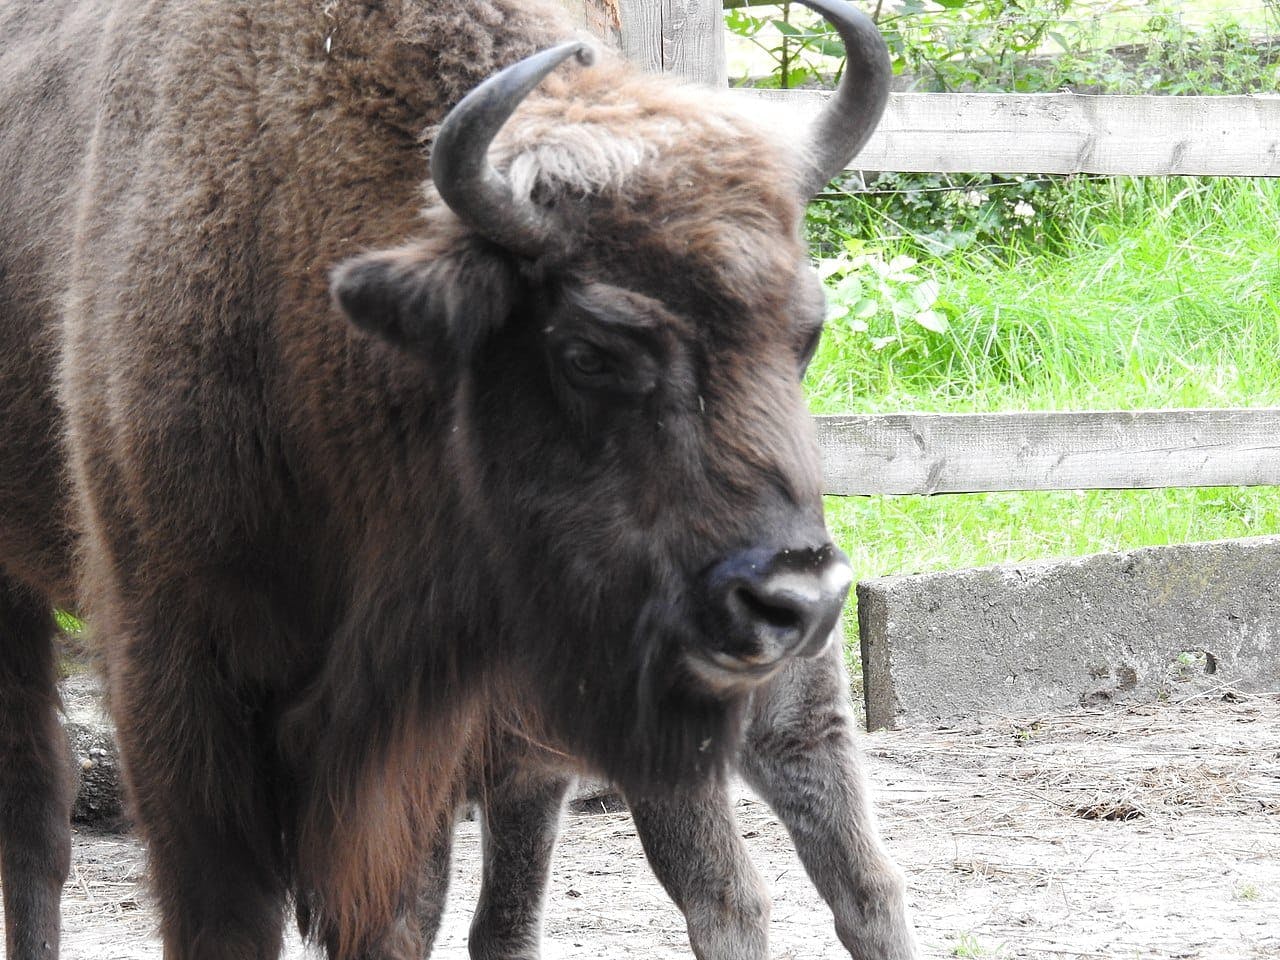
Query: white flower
(973,198)
(1024,210)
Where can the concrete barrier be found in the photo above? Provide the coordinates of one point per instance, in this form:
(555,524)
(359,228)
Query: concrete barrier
(1043,636)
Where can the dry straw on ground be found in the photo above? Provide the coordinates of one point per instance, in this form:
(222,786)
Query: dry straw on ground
(1141,833)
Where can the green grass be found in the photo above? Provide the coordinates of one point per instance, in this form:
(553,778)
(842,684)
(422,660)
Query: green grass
(969,946)
(1158,293)
(1248,892)
(895,535)
(1162,293)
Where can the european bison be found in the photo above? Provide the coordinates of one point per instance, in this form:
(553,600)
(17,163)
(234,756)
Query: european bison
(799,754)
(538,439)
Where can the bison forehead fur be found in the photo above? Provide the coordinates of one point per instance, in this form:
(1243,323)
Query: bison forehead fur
(321,518)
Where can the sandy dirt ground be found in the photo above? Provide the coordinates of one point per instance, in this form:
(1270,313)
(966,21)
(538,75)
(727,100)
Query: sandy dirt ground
(1149,833)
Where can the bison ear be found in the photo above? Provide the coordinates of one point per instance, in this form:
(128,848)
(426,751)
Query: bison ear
(416,297)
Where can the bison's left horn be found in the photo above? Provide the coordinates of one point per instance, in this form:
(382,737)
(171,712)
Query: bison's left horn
(854,109)
(460,166)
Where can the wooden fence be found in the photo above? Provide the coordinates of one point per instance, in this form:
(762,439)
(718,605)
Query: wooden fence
(1008,133)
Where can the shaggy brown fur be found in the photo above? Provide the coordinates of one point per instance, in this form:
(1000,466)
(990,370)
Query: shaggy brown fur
(314,543)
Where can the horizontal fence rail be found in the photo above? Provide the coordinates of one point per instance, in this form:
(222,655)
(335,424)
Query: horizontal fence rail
(1056,132)
(973,132)
(914,453)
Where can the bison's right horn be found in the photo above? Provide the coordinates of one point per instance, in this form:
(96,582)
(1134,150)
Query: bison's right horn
(460,166)
(854,109)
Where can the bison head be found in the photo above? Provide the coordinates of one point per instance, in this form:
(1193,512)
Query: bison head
(617,295)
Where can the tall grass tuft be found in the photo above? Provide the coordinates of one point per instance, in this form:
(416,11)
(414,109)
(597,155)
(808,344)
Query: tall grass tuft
(1161,293)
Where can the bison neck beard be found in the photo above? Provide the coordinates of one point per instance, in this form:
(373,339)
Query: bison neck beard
(616,698)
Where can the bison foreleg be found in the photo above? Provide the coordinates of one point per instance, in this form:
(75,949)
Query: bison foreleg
(521,808)
(35,781)
(216,901)
(198,792)
(693,845)
(801,756)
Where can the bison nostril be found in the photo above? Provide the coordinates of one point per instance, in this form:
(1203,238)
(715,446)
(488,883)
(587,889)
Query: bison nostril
(764,606)
(769,610)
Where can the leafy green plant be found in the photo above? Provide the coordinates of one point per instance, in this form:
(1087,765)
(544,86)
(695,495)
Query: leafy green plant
(1027,46)
(1167,55)
(972,44)
(1220,59)
(800,51)
(944,44)
(882,297)
(1158,292)
(940,213)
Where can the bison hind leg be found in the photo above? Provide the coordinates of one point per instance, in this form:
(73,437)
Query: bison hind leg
(35,777)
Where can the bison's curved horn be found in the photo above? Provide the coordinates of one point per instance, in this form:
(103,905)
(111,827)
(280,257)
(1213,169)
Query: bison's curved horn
(853,111)
(460,166)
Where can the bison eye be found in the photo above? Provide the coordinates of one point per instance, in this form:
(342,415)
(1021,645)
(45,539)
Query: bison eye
(588,366)
(585,362)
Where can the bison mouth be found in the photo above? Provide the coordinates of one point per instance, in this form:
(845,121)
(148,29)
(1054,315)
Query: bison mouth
(764,607)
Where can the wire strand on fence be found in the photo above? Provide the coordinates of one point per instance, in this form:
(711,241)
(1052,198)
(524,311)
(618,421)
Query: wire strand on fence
(840,193)
(1267,8)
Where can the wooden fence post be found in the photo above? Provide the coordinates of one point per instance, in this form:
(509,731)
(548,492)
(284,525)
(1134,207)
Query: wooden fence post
(683,37)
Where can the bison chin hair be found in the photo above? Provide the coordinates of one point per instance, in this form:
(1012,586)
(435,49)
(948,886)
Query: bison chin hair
(629,709)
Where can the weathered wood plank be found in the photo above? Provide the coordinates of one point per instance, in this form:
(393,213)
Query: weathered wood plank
(602,17)
(1057,132)
(682,37)
(967,453)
